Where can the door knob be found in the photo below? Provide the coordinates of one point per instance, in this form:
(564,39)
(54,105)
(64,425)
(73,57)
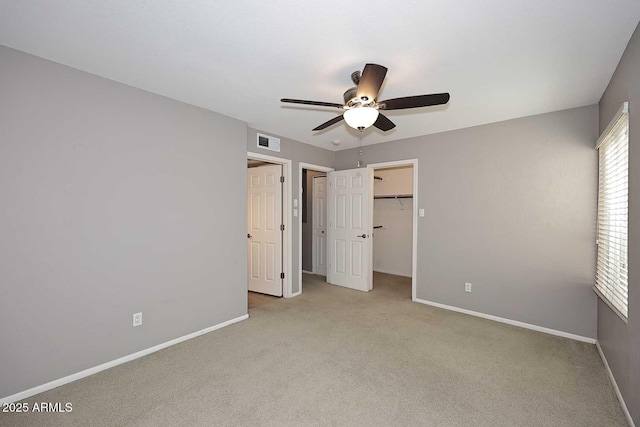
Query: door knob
(249,236)
(364,236)
(322,231)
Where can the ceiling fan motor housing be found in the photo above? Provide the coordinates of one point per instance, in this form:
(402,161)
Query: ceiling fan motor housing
(350,96)
(355,77)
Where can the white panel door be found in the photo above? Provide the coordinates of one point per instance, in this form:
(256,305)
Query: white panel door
(264,236)
(319,250)
(349,242)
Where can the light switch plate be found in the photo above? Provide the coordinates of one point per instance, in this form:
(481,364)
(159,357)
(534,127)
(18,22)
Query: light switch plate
(421,212)
(295,203)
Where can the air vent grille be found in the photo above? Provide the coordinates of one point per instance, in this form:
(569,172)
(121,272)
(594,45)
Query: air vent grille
(268,142)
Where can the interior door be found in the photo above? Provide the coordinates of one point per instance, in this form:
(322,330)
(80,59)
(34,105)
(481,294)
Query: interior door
(349,240)
(319,234)
(264,234)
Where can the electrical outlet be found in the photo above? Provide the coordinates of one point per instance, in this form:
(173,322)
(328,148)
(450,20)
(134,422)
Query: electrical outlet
(137,319)
(467,287)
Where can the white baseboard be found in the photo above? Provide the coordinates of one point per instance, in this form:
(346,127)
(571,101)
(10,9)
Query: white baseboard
(394,273)
(308,272)
(73,377)
(615,385)
(509,321)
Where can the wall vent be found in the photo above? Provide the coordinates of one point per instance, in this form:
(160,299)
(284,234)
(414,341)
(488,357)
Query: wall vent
(268,142)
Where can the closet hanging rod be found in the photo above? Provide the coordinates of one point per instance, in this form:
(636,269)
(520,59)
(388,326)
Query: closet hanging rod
(397,196)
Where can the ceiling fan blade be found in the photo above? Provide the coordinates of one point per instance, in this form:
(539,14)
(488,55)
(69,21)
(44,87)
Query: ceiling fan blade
(371,81)
(305,102)
(329,123)
(383,123)
(414,101)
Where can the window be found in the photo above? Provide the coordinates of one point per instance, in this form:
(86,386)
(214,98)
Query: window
(613,213)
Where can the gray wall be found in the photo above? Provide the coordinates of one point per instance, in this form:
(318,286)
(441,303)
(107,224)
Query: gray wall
(296,152)
(510,207)
(620,342)
(113,201)
(307,228)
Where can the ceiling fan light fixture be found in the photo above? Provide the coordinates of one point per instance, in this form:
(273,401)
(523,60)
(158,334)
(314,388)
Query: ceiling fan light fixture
(361,117)
(360,105)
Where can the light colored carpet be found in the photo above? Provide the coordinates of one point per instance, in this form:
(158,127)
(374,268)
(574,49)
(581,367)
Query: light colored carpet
(334,357)
(256,300)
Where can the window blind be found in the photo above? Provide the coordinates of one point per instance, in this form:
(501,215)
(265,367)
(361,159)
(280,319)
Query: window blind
(613,213)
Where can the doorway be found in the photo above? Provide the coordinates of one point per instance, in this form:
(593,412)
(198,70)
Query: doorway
(313,212)
(312,220)
(351,223)
(352,196)
(394,216)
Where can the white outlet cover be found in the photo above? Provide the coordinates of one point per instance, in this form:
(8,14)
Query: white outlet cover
(421,213)
(467,287)
(295,212)
(137,319)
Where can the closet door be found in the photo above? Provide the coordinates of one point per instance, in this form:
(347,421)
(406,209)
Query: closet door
(320,225)
(349,228)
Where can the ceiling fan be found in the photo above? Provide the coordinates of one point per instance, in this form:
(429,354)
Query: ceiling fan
(361,107)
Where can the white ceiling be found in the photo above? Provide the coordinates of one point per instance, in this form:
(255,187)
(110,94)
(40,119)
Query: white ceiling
(499,59)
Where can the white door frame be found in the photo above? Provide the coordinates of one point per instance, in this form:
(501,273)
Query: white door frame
(318,168)
(414,260)
(286,217)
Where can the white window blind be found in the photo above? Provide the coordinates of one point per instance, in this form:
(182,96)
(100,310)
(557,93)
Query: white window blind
(613,213)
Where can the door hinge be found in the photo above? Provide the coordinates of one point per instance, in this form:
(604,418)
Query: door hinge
(282,275)
(281,227)
(282,179)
